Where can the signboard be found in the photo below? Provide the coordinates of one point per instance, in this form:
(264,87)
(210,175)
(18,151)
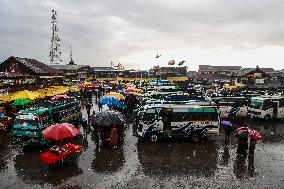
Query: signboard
(259,81)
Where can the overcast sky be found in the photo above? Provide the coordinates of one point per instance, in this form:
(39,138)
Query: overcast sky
(133,32)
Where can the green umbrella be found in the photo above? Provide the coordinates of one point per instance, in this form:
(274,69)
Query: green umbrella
(21,102)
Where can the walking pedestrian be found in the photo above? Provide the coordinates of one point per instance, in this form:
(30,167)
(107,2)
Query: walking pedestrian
(252,146)
(242,135)
(228,131)
(228,128)
(100,106)
(88,108)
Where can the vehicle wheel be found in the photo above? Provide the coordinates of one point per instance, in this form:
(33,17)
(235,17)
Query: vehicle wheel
(267,117)
(154,138)
(195,137)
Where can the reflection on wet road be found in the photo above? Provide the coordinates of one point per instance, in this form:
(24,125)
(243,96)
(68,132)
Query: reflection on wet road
(167,164)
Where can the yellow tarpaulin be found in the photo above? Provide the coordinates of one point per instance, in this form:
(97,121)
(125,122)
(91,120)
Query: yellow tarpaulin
(40,93)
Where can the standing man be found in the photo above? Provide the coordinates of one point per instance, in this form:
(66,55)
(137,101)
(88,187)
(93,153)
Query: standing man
(88,108)
(113,140)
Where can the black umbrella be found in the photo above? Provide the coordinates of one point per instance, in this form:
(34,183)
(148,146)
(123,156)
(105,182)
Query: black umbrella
(107,118)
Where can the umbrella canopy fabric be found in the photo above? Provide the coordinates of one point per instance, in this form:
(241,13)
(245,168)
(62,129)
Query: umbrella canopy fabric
(107,118)
(80,86)
(227,123)
(24,94)
(254,134)
(60,131)
(117,95)
(59,96)
(111,101)
(96,85)
(21,102)
(129,90)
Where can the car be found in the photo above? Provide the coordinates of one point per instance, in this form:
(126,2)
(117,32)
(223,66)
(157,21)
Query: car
(59,155)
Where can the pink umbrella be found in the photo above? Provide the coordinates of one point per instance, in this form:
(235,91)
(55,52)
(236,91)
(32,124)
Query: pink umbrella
(254,134)
(129,90)
(59,96)
(60,131)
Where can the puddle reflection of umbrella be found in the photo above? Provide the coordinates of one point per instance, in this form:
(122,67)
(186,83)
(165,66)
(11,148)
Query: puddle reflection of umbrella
(60,131)
(107,118)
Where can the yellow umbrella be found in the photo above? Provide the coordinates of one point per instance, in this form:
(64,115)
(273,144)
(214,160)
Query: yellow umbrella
(117,95)
(230,87)
(24,94)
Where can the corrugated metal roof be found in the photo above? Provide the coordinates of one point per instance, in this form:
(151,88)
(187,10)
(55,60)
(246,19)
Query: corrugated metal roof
(37,66)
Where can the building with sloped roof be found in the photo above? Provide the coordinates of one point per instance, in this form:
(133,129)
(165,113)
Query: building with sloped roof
(165,72)
(252,76)
(43,73)
(216,73)
(73,72)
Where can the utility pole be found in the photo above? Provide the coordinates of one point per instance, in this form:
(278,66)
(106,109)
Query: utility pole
(54,53)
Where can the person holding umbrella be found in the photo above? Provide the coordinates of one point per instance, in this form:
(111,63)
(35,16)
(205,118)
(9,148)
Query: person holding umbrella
(113,140)
(228,127)
(254,137)
(242,135)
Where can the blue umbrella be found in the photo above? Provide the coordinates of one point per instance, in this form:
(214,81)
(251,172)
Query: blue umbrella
(227,123)
(112,101)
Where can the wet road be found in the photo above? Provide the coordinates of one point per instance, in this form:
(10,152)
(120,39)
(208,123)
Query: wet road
(168,164)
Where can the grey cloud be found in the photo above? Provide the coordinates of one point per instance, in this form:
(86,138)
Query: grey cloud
(102,31)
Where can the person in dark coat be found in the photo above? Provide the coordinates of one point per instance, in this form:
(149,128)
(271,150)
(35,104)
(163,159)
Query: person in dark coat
(242,137)
(228,131)
(113,140)
(252,147)
(88,108)
(100,106)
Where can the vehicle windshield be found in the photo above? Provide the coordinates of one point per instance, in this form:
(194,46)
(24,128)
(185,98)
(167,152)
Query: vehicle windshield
(26,120)
(256,103)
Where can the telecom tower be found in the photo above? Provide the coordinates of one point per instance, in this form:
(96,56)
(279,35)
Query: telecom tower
(54,53)
(71,59)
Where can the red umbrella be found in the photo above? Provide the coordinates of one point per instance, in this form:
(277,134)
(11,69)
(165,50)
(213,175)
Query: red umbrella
(80,86)
(60,131)
(254,134)
(59,96)
(96,85)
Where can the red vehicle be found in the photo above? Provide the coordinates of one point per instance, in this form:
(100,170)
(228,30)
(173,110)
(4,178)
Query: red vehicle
(58,155)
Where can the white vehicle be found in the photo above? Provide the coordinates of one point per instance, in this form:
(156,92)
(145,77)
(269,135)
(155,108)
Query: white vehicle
(160,82)
(225,105)
(175,121)
(266,107)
